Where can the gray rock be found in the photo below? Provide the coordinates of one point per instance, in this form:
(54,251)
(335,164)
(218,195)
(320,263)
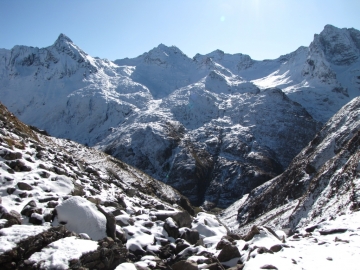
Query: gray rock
(171,228)
(191,236)
(31,208)
(254,230)
(29,246)
(332,231)
(23,195)
(262,250)
(48,199)
(180,246)
(120,234)
(148,224)
(268,266)
(183,218)
(52,204)
(3,210)
(18,166)
(276,248)
(110,222)
(36,219)
(10,190)
(44,174)
(11,155)
(24,186)
(12,217)
(166,251)
(182,265)
(228,252)
(222,243)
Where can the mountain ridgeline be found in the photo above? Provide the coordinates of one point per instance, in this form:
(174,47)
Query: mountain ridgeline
(214,126)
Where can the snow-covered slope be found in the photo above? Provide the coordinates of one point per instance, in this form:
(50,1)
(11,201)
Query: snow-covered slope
(214,147)
(214,126)
(66,206)
(322,77)
(67,92)
(321,183)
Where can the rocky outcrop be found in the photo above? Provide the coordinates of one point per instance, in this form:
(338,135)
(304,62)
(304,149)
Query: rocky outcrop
(320,181)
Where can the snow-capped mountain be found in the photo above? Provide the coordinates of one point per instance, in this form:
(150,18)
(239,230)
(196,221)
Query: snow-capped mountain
(214,126)
(321,182)
(322,77)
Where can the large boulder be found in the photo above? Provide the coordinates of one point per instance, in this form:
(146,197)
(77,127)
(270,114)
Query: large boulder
(81,216)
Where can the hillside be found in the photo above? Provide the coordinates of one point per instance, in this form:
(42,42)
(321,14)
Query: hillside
(321,182)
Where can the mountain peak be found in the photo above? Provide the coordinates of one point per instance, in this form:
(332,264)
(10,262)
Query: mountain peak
(63,38)
(162,46)
(330,27)
(340,45)
(167,49)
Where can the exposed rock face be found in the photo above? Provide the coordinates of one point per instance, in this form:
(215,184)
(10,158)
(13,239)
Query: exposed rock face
(320,181)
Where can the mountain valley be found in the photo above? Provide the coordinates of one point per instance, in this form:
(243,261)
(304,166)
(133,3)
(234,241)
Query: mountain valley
(168,162)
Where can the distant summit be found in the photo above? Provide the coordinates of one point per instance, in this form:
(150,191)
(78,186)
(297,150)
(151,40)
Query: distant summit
(341,46)
(63,38)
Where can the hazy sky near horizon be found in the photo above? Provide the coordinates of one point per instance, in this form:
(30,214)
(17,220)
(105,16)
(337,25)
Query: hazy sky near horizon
(115,29)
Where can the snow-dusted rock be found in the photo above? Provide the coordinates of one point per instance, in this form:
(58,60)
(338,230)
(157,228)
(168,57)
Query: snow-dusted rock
(81,216)
(58,254)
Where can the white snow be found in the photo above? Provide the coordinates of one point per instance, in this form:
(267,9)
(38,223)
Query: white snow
(9,237)
(58,254)
(82,216)
(314,251)
(126,266)
(209,228)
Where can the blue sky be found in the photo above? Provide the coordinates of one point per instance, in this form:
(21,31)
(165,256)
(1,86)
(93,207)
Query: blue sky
(114,29)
